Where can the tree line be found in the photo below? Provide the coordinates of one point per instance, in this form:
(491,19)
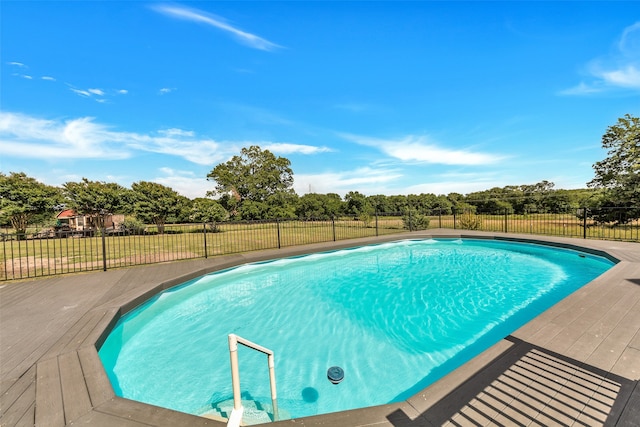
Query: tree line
(258,185)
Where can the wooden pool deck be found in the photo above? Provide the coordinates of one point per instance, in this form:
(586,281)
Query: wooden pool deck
(578,363)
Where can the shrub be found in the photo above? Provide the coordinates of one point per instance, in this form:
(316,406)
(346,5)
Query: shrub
(413,221)
(470,221)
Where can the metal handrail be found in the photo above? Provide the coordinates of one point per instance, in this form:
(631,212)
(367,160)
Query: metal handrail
(236,413)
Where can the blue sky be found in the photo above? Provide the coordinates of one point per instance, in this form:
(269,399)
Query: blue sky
(376,97)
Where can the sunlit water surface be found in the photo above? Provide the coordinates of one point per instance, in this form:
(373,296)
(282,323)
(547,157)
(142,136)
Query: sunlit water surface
(395,317)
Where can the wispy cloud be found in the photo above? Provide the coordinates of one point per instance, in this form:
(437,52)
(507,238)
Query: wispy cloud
(166,90)
(17,64)
(99,95)
(195,15)
(285,148)
(49,78)
(26,136)
(366,180)
(618,70)
(30,137)
(421,150)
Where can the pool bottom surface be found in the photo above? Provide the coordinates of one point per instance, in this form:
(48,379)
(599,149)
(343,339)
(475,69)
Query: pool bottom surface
(395,317)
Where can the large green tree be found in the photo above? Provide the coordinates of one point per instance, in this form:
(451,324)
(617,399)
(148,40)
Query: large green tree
(96,199)
(318,206)
(618,175)
(154,203)
(23,198)
(255,176)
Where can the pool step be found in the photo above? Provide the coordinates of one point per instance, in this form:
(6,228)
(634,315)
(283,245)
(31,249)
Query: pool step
(254,412)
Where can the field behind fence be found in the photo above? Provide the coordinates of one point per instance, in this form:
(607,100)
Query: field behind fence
(30,255)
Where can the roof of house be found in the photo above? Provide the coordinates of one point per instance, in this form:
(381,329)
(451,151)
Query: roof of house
(67,213)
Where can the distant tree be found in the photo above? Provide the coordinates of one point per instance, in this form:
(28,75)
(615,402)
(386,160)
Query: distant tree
(493,201)
(208,211)
(154,203)
(254,175)
(397,203)
(380,203)
(443,205)
(356,204)
(318,206)
(96,199)
(537,197)
(23,198)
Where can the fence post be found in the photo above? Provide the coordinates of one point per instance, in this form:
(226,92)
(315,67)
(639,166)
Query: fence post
(333,226)
(506,213)
(584,223)
(410,221)
(204,229)
(278,226)
(439,217)
(454,218)
(104,249)
(377,222)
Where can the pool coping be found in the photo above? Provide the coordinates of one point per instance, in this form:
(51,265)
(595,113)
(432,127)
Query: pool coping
(62,382)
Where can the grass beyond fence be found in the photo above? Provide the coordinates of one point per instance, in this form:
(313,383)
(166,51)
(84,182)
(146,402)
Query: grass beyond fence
(28,256)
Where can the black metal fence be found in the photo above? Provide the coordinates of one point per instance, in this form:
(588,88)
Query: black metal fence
(41,253)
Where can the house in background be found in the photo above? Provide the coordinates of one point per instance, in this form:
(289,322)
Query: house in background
(69,218)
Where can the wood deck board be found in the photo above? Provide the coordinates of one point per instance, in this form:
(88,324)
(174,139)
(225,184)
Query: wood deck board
(154,415)
(75,334)
(96,379)
(75,395)
(17,403)
(615,319)
(12,390)
(49,406)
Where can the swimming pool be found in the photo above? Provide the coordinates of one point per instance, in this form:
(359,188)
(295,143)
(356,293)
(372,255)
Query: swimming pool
(393,329)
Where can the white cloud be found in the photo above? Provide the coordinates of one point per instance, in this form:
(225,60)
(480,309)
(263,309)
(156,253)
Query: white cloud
(28,137)
(420,149)
(628,76)
(184,182)
(285,148)
(49,78)
(80,92)
(123,92)
(98,92)
(366,180)
(17,64)
(166,90)
(619,70)
(25,76)
(195,15)
(176,132)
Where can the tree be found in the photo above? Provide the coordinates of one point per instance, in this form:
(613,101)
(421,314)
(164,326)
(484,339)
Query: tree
(618,175)
(357,204)
(255,175)
(154,203)
(318,206)
(96,199)
(22,198)
(208,211)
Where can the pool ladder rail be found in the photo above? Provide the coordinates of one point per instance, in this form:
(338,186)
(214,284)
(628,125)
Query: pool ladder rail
(236,414)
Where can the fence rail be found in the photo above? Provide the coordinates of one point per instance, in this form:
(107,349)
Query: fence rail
(39,253)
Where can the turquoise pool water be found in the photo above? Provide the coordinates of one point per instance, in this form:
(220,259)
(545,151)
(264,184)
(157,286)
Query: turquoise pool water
(395,317)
